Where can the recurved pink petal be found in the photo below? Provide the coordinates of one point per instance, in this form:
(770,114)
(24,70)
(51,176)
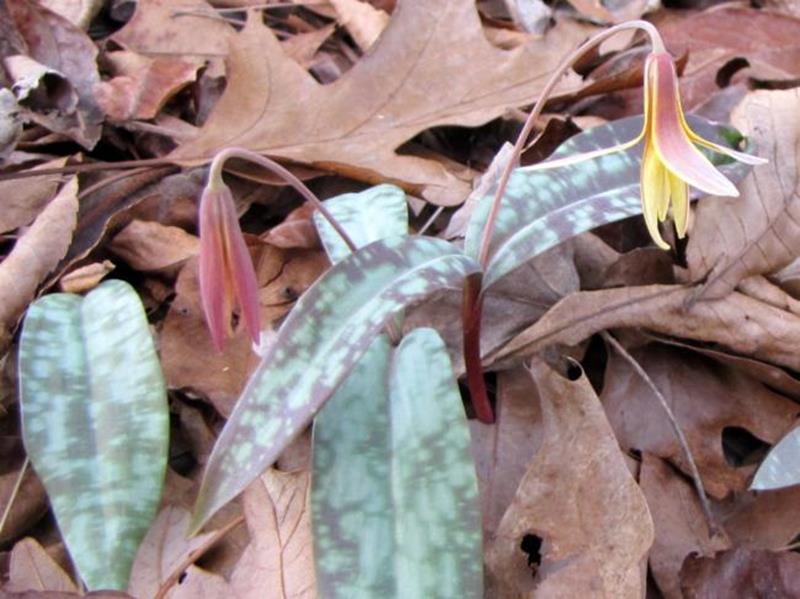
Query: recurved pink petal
(241,271)
(671,137)
(214,286)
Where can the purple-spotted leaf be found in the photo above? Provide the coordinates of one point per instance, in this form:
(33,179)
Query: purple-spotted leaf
(542,208)
(95,423)
(321,340)
(395,495)
(371,215)
(781,467)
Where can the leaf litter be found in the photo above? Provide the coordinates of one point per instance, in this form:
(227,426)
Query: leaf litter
(584,489)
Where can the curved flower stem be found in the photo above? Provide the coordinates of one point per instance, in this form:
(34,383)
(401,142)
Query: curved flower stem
(473,296)
(215,174)
(657,45)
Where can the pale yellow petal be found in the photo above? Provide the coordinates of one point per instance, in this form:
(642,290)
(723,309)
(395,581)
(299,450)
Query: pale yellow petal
(679,192)
(655,193)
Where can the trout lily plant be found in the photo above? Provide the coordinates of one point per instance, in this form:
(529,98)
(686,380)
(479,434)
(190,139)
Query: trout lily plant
(395,499)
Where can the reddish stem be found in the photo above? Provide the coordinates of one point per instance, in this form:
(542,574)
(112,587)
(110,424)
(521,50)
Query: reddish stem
(472,308)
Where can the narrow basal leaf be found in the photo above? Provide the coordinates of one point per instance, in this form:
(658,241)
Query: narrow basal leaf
(326,333)
(781,467)
(395,495)
(543,208)
(371,215)
(95,423)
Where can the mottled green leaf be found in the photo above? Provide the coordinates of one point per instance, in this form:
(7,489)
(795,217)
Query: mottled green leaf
(781,467)
(371,215)
(543,208)
(395,495)
(321,340)
(95,423)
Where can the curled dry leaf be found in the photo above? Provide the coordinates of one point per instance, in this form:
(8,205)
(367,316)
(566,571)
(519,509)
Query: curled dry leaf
(142,85)
(30,502)
(56,43)
(86,277)
(32,569)
(78,12)
(714,40)
(296,231)
(759,232)
(412,80)
(34,255)
(736,322)
(149,246)
(580,499)
(706,398)
(680,524)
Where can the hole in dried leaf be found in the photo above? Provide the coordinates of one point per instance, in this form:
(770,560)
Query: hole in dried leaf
(574,370)
(532,545)
(741,447)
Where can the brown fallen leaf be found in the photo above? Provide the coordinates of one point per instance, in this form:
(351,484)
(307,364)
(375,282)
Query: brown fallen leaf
(759,232)
(706,398)
(680,524)
(78,12)
(579,498)
(503,450)
(31,569)
(763,43)
(166,551)
(303,47)
(296,231)
(742,573)
(188,358)
(141,85)
(762,520)
(55,42)
(411,81)
(34,255)
(156,29)
(29,503)
(737,322)
(86,277)
(280,555)
(19,204)
(364,22)
(150,246)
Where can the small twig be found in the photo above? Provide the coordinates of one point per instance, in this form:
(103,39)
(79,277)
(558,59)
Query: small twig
(714,527)
(14,493)
(431,220)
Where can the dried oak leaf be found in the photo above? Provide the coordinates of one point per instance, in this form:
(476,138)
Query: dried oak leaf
(726,38)
(736,322)
(742,573)
(504,449)
(142,85)
(19,204)
(432,66)
(759,232)
(35,254)
(706,398)
(151,246)
(680,524)
(279,560)
(56,43)
(579,497)
(364,22)
(32,569)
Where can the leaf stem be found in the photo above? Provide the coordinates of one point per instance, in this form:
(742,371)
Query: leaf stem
(714,527)
(472,307)
(657,45)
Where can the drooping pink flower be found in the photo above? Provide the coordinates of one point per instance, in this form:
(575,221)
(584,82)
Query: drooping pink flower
(671,161)
(227,275)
